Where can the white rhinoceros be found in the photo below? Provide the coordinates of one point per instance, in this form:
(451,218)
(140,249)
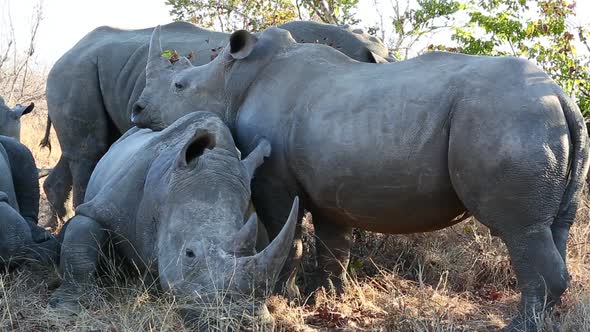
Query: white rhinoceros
(174,204)
(403,147)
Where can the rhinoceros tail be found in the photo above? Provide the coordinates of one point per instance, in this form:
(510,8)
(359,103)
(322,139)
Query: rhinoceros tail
(578,168)
(45,142)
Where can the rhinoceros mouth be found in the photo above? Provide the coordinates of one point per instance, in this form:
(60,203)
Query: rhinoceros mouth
(240,271)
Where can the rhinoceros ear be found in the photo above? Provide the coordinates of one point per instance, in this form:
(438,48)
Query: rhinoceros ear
(256,157)
(375,58)
(21,110)
(241,44)
(196,147)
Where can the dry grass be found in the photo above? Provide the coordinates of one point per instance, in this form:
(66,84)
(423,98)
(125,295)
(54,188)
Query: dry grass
(457,279)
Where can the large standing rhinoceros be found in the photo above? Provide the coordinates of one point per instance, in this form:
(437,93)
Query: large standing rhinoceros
(20,237)
(405,147)
(175,203)
(10,118)
(92,88)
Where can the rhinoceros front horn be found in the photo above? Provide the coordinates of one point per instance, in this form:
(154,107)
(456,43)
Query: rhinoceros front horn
(155,61)
(264,267)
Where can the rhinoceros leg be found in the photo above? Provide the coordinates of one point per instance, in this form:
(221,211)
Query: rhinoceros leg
(80,252)
(273,205)
(81,172)
(333,245)
(57,187)
(541,272)
(513,182)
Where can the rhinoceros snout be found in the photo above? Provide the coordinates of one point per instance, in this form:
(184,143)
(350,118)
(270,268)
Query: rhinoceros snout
(138,107)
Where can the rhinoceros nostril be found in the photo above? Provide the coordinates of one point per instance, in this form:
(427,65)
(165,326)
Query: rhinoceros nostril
(137,108)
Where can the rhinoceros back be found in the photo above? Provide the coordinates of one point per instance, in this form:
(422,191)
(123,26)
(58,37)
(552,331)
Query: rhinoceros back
(117,59)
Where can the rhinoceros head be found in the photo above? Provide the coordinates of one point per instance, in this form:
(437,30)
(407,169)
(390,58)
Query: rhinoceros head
(206,241)
(162,102)
(10,118)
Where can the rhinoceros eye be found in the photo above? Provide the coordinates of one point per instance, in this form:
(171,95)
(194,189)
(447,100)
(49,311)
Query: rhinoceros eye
(190,253)
(178,86)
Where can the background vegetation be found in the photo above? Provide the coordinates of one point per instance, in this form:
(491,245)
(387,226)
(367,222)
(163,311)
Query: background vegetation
(545,31)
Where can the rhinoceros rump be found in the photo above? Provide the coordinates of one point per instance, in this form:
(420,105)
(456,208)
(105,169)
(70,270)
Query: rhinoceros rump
(92,90)
(174,203)
(406,147)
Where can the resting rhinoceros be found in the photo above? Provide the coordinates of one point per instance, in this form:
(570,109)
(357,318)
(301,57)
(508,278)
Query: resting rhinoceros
(405,147)
(175,203)
(92,88)
(10,118)
(20,237)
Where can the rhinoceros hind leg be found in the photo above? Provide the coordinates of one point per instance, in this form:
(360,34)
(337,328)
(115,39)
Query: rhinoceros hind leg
(57,187)
(541,273)
(333,243)
(80,253)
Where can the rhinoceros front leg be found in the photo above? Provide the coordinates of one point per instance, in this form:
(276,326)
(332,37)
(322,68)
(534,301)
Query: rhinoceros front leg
(273,205)
(81,172)
(333,243)
(80,251)
(57,187)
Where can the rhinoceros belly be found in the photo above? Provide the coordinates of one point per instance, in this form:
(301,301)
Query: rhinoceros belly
(379,165)
(389,206)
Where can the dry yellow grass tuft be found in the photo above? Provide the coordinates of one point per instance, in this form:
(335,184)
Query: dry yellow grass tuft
(457,279)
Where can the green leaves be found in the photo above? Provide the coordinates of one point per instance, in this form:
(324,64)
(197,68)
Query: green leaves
(256,15)
(542,31)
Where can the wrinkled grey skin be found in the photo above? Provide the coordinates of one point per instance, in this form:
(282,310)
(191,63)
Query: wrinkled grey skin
(92,89)
(10,118)
(174,202)
(20,237)
(406,147)
(162,102)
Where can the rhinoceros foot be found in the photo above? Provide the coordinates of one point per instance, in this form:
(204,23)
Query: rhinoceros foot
(39,234)
(531,323)
(67,300)
(289,289)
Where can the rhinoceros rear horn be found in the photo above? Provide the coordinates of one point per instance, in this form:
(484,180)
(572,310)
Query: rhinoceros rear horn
(241,44)
(243,242)
(182,63)
(155,61)
(265,266)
